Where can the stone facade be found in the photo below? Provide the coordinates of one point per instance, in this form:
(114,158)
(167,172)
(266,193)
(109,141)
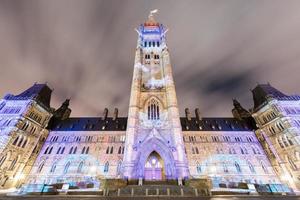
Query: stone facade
(278,119)
(23,120)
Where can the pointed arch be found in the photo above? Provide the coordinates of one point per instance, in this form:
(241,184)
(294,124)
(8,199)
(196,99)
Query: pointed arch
(264,166)
(16,140)
(58,150)
(63,150)
(106,167)
(41,166)
(83,150)
(155,145)
(24,143)
(153,106)
(292,163)
(4,158)
(50,151)
(237,167)
(251,167)
(71,150)
(67,166)
(198,167)
(75,150)
(119,167)
(13,163)
(53,167)
(80,166)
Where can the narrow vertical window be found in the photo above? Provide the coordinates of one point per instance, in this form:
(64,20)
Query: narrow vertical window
(238,168)
(53,168)
(71,150)
(83,150)
(106,167)
(40,168)
(67,166)
(79,170)
(13,163)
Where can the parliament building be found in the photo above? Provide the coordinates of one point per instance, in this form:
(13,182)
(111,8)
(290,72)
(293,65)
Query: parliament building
(43,145)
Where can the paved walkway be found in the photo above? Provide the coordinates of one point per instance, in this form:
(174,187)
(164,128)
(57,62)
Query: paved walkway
(68,197)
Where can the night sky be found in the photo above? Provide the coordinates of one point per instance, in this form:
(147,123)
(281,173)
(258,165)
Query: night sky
(85,50)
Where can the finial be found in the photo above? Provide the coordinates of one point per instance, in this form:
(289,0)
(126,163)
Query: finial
(152,12)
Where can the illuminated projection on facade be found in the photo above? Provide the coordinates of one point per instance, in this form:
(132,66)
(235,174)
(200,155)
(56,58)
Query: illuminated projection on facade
(43,145)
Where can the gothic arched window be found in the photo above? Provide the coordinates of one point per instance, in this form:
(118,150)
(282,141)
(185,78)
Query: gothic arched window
(225,168)
(75,150)
(79,170)
(16,140)
(63,150)
(67,166)
(251,167)
(119,167)
(238,167)
(292,164)
(264,167)
(153,110)
(25,142)
(50,150)
(13,164)
(199,168)
(53,168)
(106,167)
(40,168)
(20,142)
(83,150)
(46,151)
(71,150)
(58,150)
(2,160)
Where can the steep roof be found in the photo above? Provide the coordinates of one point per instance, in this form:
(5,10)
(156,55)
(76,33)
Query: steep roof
(39,92)
(264,91)
(120,124)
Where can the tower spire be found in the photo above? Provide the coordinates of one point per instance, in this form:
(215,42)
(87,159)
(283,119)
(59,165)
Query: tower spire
(153,106)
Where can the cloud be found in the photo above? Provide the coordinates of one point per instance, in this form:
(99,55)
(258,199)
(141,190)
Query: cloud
(85,49)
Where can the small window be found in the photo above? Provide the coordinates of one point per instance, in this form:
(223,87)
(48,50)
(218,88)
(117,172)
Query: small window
(238,167)
(53,168)
(67,166)
(40,168)
(106,167)
(79,170)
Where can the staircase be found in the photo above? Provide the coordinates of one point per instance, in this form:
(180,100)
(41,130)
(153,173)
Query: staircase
(155,190)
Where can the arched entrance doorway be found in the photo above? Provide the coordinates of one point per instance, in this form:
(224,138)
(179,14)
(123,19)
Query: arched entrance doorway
(154,167)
